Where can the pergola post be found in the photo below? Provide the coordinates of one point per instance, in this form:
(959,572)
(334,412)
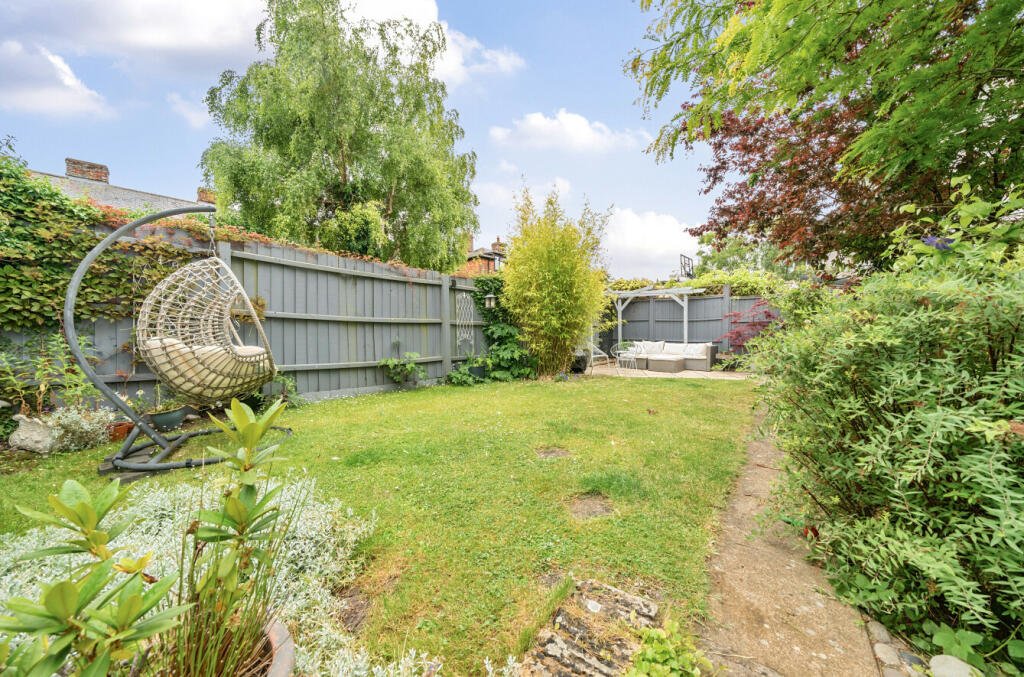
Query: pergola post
(686,318)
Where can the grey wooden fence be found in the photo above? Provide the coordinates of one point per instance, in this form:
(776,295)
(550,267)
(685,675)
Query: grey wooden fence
(329,319)
(661,319)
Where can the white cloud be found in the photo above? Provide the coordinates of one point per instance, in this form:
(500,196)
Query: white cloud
(200,38)
(189,37)
(501,195)
(646,244)
(35,80)
(506,167)
(195,114)
(494,194)
(567,131)
(467,57)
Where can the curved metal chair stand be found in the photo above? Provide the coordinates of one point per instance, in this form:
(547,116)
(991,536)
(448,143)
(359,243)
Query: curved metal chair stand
(194,301)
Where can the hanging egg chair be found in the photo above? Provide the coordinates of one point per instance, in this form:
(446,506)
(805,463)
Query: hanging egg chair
(186,334)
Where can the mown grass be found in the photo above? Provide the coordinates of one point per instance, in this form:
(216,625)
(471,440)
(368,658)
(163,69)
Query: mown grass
(470,519)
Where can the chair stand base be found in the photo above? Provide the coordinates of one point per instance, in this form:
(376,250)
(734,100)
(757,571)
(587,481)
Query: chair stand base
(135,461)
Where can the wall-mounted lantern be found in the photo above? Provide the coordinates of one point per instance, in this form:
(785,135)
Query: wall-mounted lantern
(490,301)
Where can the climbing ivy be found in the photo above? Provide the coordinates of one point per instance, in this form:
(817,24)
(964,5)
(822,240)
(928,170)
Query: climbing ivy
(44,234)
(507,358)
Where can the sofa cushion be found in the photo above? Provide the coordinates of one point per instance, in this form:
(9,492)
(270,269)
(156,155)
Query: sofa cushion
(651,347)
(691,350)
(665,357)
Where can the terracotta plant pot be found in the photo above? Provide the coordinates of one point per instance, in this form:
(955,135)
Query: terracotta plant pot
(119,430)
(282,650)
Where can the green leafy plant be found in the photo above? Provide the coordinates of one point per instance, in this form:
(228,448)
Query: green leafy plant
(461,376)
(668,651)
(403,369)
(554,283)
(95,621)
(39,373)
(901,409)
(228,566)
(44,234)
(507,358)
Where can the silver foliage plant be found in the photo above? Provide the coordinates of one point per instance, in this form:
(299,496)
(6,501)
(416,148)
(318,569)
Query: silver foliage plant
(76,427)
(319,550)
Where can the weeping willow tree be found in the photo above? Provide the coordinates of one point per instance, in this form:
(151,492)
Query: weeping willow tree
(340,136)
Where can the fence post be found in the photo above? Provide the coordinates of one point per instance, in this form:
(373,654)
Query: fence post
(650,319)
(224,254)
(446,325)
(726,320)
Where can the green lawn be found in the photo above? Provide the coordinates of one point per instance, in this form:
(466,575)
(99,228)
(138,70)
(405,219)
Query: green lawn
(470,519)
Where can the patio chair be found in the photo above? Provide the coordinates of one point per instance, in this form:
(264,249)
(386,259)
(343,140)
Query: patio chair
(594,356)
(625,354)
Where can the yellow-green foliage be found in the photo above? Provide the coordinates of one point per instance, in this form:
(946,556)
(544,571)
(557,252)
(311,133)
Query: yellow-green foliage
(553,282)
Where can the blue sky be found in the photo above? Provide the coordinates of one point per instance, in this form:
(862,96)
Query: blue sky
(539,87)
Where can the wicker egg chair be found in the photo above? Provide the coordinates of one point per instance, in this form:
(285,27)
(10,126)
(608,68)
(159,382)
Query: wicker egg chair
(186,334)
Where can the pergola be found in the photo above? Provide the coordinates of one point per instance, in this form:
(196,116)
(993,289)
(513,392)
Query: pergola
(680,295)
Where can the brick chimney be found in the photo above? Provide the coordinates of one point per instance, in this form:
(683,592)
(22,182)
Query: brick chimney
(80,169)
(498,246)
(206,195)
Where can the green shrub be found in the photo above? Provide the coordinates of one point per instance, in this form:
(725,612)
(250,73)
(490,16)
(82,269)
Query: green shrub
(403,369)
(666,652)
(743,282)
(900,406)
(554,286)
(507,357)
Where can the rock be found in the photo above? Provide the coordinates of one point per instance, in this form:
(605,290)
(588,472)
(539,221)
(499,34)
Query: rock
(950,666)
(892,672)
(31,435)
(4,404)
(878,633)
(912,659)
(592,606)
(886,654)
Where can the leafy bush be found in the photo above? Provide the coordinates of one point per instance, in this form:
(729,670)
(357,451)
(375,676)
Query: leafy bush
(743,282)
(666,652)
(402,369)
(507,357)
(554,285)
(38,372)
(900,405)
(77,427)
(95,616)
(461,377)
(359,230)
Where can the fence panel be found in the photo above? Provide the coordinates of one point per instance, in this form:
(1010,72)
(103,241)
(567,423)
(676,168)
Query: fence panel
(663,319)
(329,320)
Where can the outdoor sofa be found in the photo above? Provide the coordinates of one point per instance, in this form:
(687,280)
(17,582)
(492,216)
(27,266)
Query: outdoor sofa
(668,357)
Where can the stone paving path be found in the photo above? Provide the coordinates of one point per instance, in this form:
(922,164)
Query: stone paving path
(771,611)
(592,633)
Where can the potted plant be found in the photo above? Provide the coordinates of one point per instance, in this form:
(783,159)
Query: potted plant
(164,414)
(403,370)
(478,367)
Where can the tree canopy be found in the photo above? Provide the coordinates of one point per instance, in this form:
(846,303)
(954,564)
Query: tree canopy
(940,81)
(341,137)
